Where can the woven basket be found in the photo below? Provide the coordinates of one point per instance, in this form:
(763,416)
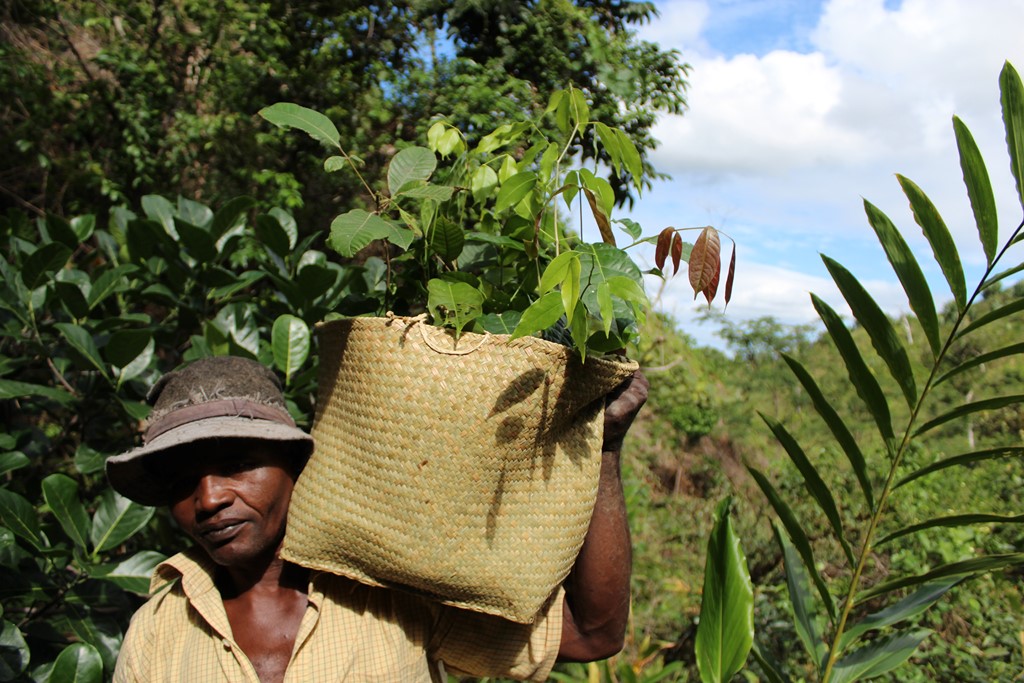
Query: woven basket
(463,471)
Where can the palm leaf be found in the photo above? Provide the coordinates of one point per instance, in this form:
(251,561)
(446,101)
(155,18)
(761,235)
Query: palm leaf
(879,328)
(909,273)
(974,565)
(911,606)
(960,460)
(806,620)
(836,425)
(1012,100)
(979,189)
(969,409)
(797,535)
(815,485)
(993,315)
(935,230)
(953,521)
(860,376)
(980,359)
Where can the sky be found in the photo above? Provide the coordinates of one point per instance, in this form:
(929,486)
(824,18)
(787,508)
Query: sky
(799,111)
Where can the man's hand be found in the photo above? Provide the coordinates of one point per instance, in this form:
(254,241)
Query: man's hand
(621,407)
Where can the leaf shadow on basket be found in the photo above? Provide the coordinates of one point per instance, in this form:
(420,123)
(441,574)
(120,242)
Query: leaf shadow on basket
(554,428)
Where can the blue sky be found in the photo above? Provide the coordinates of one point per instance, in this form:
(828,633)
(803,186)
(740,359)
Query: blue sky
(801,110)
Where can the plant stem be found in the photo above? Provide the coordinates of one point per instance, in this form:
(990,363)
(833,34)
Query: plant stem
(897,458)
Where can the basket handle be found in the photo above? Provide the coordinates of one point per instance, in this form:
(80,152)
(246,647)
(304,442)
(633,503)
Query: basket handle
(421,320)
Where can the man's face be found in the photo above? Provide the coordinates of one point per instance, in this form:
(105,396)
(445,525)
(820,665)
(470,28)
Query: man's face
(231,497)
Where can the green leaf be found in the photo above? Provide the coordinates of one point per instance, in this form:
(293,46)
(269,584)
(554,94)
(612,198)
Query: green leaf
(61,493)
(272,235)
(935,230)
(132,574)
(80,340)
(194,213)
(313,123)
(18,515)
(796,534)
(72,299)
(570,290)
(969,409)
(514,189)
(287,223)
(499,323)
(578,108)
(631,158)
(813,482)
(437,193)
(290,341)
(540,315)
(244,281)
(1014,306)
(1012,99)
(41,264)
(911,606)
(726,629)
(197,241)
(83,227)
(483,184)
(126,345)
(981,359)
(863,381)
(230,215)
(770,669)
(447,240)
(879,328)
(352,231)
(805,609)
(878,657)
(88,460)
(452,303)
(12,389)
(334,164)
(952,521)
(909,273)
(979,189)
(604,302)
(14,652)
(12,460)
(412,165)
(557,270)
(160,211)
(77,663)
(116,520)
(975,565)
(110,282)
(836,426)
(961,460)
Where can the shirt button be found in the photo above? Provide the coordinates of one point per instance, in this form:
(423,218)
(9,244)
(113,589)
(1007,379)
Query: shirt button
(226,643)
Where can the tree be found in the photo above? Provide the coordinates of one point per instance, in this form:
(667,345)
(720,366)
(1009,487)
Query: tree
(113,101)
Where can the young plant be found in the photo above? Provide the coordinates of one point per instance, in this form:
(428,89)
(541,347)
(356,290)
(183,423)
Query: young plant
(869,628)
(480,242)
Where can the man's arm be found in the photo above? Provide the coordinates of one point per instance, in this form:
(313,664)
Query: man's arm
(596,606)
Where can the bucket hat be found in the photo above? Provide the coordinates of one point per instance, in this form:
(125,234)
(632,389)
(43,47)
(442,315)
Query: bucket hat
(224,397)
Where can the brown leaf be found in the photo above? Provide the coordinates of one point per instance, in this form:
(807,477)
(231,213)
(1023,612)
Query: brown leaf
(732,274)
(705,263)
(603,224)
(677,252)
(712,288)
(661,251)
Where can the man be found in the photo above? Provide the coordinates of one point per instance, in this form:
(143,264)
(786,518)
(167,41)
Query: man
(222,452)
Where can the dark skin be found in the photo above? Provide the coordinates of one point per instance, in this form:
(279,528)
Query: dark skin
(232,498)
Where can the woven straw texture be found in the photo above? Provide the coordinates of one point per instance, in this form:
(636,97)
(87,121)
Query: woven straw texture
(463,471)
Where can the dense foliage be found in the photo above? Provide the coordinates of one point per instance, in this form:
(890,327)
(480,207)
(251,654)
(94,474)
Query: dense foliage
(113,101)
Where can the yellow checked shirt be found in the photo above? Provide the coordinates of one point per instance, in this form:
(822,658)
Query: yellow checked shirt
(350,632)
